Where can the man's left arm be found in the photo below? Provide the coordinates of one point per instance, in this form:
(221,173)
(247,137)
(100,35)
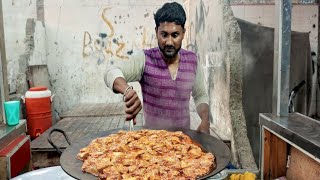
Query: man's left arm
(201,99)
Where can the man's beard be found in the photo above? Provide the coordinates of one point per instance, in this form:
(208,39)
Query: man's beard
(169,52)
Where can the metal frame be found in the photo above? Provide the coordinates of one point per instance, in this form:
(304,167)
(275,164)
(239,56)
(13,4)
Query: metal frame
(4,94)
(261,156)
(281,65)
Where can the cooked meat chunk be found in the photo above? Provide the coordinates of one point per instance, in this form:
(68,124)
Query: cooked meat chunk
(146,154)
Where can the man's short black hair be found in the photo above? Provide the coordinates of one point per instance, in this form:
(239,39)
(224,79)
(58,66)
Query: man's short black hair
(170,12)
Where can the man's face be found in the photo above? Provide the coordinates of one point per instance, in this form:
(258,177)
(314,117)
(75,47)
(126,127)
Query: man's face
(170,38)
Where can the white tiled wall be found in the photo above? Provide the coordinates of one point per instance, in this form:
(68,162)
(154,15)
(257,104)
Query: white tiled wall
(304,18)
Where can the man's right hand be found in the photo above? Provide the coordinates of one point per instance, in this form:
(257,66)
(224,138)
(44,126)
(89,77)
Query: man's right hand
(133,105)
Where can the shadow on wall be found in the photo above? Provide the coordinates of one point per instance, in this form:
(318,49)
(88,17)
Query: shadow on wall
(257,49)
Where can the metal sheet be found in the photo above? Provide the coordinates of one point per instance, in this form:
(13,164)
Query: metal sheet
(49,173)
(71,165)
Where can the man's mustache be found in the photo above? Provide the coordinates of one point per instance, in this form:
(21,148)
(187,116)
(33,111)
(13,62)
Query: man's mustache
(169,47)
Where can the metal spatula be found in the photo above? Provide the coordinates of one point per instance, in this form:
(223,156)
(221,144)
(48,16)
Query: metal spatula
(130,124)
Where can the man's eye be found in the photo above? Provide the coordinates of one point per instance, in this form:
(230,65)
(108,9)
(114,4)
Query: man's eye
(164,35)
(175,35)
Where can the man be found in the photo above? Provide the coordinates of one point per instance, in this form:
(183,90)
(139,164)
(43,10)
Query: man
(167,74)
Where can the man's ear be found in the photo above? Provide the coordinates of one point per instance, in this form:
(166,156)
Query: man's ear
(183,33)
(156,30)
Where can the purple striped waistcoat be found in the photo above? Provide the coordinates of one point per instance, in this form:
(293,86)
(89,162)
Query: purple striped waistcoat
(166,101)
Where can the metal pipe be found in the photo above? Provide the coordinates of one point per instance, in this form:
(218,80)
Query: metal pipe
(281,65)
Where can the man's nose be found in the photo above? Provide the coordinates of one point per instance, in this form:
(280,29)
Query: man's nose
(169,41)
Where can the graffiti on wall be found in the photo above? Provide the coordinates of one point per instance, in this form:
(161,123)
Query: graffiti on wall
(106,45)
(196,26)
(201,15)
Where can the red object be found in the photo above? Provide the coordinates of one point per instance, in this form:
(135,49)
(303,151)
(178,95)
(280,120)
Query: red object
(16,156)
(39,88)
(38,108)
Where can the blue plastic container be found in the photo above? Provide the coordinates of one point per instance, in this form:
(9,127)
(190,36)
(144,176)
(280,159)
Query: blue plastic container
(12,111)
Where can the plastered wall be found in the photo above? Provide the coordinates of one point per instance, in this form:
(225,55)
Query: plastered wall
(83,37)
(215,36)
(15,15)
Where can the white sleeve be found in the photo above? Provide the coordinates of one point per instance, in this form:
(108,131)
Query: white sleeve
(131,70)
(199,92)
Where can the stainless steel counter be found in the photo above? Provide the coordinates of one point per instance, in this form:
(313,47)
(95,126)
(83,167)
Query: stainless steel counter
(297,130)
(9,133)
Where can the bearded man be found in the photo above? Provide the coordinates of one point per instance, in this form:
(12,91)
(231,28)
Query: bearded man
(168,75)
